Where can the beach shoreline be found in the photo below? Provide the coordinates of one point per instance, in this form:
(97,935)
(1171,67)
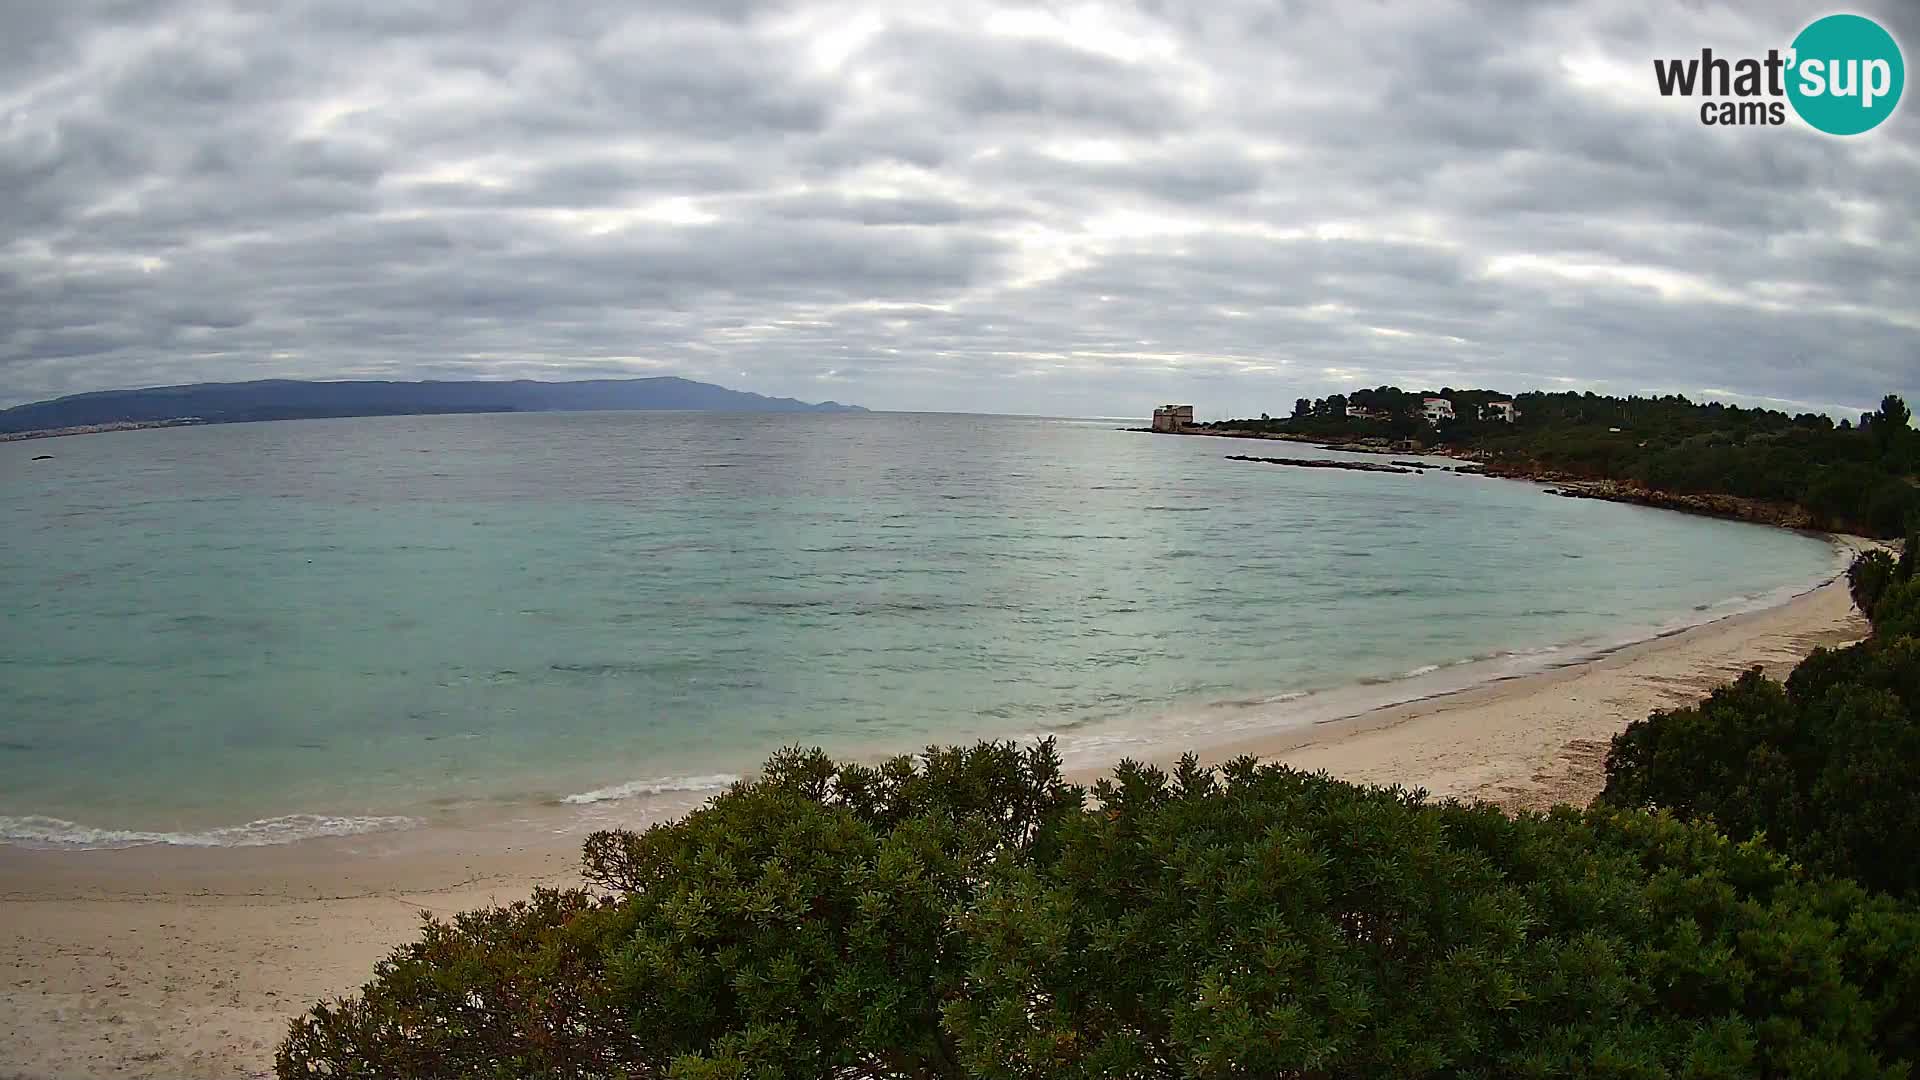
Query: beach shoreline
(1531,741)
(171,962)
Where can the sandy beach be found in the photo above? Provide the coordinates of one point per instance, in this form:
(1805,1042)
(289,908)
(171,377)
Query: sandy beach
(161,962)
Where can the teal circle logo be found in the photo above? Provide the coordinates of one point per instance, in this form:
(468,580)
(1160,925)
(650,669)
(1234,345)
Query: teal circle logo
(1846,74)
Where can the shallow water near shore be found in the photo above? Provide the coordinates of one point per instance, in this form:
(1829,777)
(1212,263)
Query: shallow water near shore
(249,634)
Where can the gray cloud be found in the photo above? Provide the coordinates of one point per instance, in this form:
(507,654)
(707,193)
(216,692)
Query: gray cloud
(1071,208)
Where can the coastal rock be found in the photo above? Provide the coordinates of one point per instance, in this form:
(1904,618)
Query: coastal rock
(1721,506)
(1320,463)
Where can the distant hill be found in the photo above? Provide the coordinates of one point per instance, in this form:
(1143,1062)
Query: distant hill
(291,399)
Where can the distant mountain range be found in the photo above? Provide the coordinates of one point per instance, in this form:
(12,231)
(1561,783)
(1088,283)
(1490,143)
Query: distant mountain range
(292,399)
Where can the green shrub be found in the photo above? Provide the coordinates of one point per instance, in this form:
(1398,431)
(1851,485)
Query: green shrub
(796,926)
(1897,613)
(973,915)
(1869,577)
(1280,924)
(518,991)
(1826,766)
(801,926)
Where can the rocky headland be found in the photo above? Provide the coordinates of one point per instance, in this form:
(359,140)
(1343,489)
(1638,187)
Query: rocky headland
(1566,485)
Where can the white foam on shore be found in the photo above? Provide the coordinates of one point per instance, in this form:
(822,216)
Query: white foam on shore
(35,830)
(659,785)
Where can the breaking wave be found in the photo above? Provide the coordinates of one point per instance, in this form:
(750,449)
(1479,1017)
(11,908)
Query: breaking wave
(35,830)
(659,785)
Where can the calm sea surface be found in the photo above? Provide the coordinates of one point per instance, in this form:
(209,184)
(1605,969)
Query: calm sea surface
(249,633)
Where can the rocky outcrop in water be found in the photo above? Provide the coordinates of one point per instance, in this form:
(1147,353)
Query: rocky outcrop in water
(1759,511)
(1322,463)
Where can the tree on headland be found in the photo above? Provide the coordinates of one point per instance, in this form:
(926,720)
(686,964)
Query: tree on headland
(1890,423)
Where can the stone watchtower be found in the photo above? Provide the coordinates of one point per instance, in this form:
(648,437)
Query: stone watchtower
(1172,417)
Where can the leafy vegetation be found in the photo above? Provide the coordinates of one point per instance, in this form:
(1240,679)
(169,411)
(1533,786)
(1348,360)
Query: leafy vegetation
(1826,766)
(801,925)
(970,914)
(1849,477)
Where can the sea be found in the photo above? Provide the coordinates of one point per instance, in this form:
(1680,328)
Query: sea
(257,633)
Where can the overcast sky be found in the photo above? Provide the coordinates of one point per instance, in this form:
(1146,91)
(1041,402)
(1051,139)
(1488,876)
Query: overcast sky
(1076,209)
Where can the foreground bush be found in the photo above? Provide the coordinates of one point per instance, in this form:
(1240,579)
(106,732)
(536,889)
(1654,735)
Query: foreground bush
(1271,923)
(971,915)
(1826,766)
(800,924)
(502,992)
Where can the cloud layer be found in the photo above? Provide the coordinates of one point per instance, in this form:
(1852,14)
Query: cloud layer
(1077,208)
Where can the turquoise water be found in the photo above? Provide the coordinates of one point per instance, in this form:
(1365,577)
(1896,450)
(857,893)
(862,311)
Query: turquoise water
(249,633)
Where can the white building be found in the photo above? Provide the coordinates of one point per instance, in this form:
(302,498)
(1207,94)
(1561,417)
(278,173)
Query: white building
(1172,417)
(1436,409)
(1499,410)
